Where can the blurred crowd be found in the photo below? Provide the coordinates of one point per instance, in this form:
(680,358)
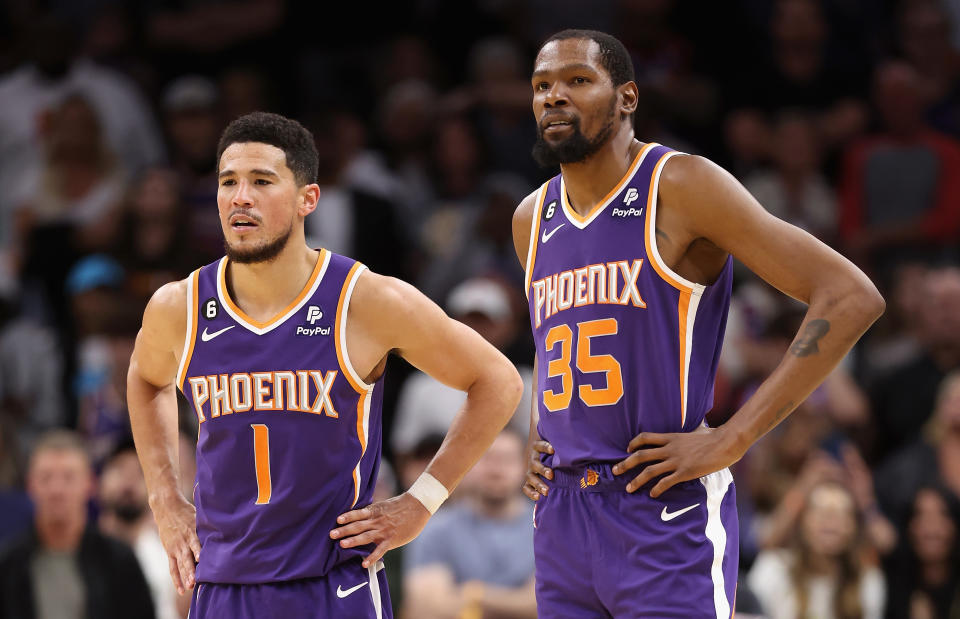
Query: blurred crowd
(840,116)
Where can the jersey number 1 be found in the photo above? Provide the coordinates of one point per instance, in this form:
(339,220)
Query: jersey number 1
(586,363)
(261,460)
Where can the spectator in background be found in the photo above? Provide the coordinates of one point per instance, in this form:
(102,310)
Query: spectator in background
(794,189)
(107,322)
(153,242)
(826,573)
(933,459)
(192,122)
(497,98)
(72,201)
(125,515)
(900,190)
(350,219)
(904,398)
(52,71)
(475,558)
(426,406)
(63,568)
(31,386)
(796,72)
(924,574)
(924,37)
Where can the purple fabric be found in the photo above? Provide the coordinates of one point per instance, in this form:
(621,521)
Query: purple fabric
(339,594)
(601,552)
(312,455)
(648,339)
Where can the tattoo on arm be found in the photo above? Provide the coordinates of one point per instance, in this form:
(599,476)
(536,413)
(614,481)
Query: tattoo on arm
(777,418)
(661,233)
(806,344)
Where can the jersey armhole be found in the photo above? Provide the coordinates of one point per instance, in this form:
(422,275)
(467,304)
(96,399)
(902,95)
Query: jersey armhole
(666,273)
(340,330)
(190,337)
(534,238)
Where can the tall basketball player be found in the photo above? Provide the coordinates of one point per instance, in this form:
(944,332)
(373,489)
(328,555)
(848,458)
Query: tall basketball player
(280,351)
(628,268)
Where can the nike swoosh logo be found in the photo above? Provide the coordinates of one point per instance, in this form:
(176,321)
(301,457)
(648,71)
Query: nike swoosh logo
(667,516)
(546,236)
(342,594)
(206,337)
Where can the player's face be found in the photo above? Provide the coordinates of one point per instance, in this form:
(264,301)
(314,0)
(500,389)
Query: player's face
(574,102)
(257,198)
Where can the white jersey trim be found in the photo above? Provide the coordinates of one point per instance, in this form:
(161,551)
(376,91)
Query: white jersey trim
(534,237)
(226,303)
(191,334)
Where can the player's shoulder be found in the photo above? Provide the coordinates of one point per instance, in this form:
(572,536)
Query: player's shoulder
(166,313)
(685,173)
(380,298)
(524,212)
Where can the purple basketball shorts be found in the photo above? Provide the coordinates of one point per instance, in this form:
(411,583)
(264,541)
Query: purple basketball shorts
(349,590)
(601,552)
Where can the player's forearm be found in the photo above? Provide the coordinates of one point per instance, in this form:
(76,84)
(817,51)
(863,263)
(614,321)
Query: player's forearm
(832,326)
(153,420)
(491,402)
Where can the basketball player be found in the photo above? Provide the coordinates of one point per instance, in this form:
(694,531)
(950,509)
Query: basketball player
(280,350)
(628,269)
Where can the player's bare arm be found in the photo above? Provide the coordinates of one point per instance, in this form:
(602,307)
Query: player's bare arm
(705,213)
(533,487)
(387,315)
(152,401)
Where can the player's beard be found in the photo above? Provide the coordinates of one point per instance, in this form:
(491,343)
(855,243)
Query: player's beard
(575,148)
(262,253)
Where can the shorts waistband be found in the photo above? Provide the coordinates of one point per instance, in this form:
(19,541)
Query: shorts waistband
(596,477)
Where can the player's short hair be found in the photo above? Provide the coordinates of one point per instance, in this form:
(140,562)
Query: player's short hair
(288,135)
(614,57)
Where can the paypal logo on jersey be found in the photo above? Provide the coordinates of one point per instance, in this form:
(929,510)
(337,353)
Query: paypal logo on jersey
(311,331)
(314,313)
(629,198)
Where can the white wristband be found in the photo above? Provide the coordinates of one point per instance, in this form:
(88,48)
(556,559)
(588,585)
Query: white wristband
(429,491)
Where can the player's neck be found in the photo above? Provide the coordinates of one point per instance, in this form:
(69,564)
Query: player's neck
(263,289)
(590,181)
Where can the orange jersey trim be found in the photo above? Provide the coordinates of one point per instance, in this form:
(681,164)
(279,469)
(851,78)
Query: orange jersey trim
(222,282)
(535,237)
(338,335)
(361,434)
(631,170)
(193,291)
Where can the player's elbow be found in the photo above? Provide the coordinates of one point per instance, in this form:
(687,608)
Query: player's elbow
(870,302)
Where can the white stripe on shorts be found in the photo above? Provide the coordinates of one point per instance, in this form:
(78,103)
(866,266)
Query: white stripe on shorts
(716,485)
(375,587)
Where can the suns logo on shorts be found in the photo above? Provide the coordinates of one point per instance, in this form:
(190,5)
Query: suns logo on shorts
(590,479)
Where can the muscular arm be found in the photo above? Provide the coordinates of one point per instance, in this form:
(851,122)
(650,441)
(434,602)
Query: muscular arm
(842,301)
(390,315)
(152,402)
(702,201)
(532,486)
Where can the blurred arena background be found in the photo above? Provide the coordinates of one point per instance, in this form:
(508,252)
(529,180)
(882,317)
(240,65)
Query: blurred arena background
(840,116)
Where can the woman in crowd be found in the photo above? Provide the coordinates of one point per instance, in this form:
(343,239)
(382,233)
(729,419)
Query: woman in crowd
(828,573)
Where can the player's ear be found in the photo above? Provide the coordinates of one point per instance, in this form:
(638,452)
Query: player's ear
(629,97)
(309,195)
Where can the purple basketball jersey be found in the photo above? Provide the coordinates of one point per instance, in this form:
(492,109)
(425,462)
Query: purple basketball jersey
(624,344)
(289,433)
